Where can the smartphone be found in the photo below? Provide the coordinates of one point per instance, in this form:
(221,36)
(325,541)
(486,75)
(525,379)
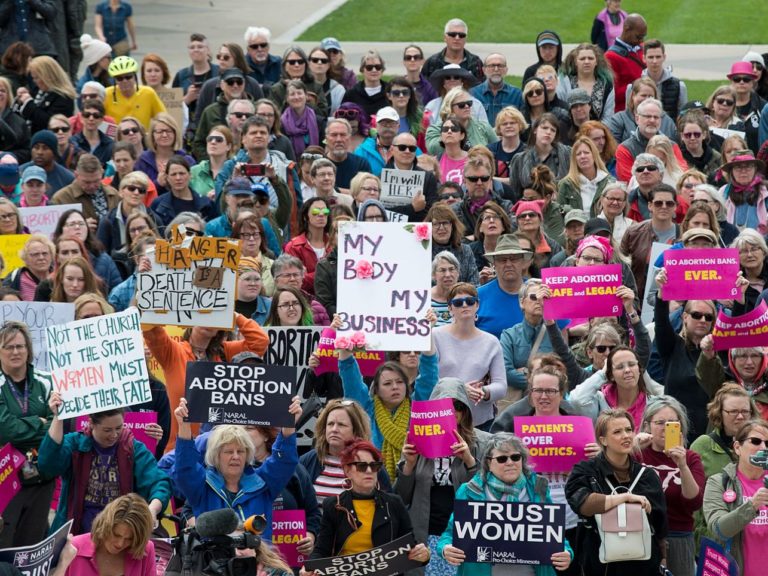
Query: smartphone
(198,80)
(253,170)
(672,435)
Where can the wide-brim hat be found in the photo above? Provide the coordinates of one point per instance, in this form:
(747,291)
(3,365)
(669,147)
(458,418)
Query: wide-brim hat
(436,78)
(508,245)
(694,233)
(744,157)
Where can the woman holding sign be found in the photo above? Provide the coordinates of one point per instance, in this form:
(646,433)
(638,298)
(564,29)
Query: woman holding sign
(312,242)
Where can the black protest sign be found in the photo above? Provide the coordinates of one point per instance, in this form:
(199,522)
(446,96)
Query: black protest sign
(250,394)
(386,560)
(38,559)
(508,532)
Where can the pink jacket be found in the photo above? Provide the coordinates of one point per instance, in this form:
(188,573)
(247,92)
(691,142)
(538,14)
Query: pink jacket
(762,211)
(84,563)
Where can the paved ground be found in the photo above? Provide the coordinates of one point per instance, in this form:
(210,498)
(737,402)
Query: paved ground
(164,27)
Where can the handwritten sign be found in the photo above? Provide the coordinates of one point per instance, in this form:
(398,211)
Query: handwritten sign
(136,422)
(10,246)
(192,282)
(98,364)
(747,330)
(508,532)
(701,273)
(43,219)
(9,478)
(432,427)
(555,443)
(582,291)
(387,560)
(38,559)
(173,100)
(288,528)
(715,561)
(381,292)
(222,393)
(368,360)
(395,216)
(398,187)
(37,316)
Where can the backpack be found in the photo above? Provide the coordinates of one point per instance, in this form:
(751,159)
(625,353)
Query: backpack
(624,530)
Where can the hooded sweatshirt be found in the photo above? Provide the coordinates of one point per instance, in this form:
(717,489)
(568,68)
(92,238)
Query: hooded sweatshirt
(530,72)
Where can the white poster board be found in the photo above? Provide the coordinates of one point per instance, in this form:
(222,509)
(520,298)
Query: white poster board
(398,187)
(384,283)
(43,219)
(37,316)
(657,249)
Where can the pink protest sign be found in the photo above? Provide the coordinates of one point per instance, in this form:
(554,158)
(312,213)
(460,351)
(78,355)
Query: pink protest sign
(136,422)
(555,443)
(582,291)
(750,329)
(9,479)
(701,273)
(288,527)
(368,360)
(433,423)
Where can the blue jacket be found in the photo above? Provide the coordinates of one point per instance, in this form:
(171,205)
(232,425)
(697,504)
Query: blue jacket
(271,73)
(204,487)
(103,151)
(120,296)
(105,267)
(367,149)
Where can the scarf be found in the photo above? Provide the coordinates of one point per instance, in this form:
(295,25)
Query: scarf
(496,490)
(393,427)
(302,130)
(476,204)
(749,188)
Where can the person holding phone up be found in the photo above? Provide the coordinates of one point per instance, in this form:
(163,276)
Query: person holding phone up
(662,441)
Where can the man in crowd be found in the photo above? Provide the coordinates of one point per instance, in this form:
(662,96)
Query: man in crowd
(45,153)
(338,134)
(626,57)
(495,93)
(455,36)
(232,84)
(377,150)
(96,198)
(672,91)
(265,68)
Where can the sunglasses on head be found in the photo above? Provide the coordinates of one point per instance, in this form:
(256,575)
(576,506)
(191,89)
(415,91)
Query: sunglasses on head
(649,168)
(701,315)
(234,81)
(465,301)
(316,60)
(361,467)
(404,147)
(373,67)
(295,61)
(476,179)
(258,46)
(503,459)
(456,34)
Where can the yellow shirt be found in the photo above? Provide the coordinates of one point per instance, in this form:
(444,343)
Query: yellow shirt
(360,540)
(143,105)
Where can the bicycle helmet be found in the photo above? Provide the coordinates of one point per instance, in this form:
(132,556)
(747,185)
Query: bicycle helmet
(122,65)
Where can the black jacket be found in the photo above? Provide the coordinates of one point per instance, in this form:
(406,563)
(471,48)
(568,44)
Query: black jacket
(325,281)
(14,135)
(37,114)
(430,194)
(371,104)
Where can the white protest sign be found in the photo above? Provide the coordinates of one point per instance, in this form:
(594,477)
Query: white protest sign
(43,219)
(37,316)
(398,187)
(98,364)
(657,248)
(384,283)
(192,282)
(396,216)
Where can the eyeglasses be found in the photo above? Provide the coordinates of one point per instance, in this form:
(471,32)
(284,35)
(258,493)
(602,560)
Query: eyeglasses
(11,216)
(724,102)
(736,412)
(691,135)
(295,62)
(333,51)
(533,297)
(757,441)
(134,189)
(442,224)
(124,77)
(162,132)
(361,467)
(89,96)
(315,60)
(413,57)
(545,391)
(662,423)
(476,179)
(214,138)
(625,365)
(15,348)
(603,348)
(651,116)
(527,216)
(495,66)
(225,57)
(241,115)
(536,92)
(35,255)
(60,129)
(250,235)
(92,115)
(290,305)
(592,259)
(370,189)
(319,211)
(289,275)
(456,34)
(400,93)
(137,230)
(406,148)
(259,46)
(129,131)
(373,67)
(447,270)
(192,232)
(664,203)
(234,81)
(450,128)
(753,357)
(463,105)
(75,224)
(742,79)
(690,185)
(490,218)
(614,200)
(648,168)
(503,458)
(696,315)
(465,301)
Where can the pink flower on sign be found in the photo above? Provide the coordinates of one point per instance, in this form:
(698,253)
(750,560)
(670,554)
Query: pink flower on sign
(358,340)
(422,232)
(363,269)
(343,343)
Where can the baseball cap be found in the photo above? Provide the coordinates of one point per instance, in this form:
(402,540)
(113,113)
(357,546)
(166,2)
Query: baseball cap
(232,73)
(597,227)
(34,173)
(387,113)
(331,43)
(576,216)
(239,187)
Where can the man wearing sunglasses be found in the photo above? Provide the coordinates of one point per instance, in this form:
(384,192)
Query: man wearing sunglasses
(403,157)
(479,185)
(265,67)
(455,37)
(232,86)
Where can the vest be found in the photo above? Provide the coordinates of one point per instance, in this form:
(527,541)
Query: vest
(612,31)
(670,96)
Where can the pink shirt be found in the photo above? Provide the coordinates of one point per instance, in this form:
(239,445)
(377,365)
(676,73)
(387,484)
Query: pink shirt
(452,170)
(84,563)
(756,532)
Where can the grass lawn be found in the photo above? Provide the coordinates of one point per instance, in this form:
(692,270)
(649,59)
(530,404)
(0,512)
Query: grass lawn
(679,21)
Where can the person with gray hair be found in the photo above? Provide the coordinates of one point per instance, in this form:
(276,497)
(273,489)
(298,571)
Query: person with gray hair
(711,195)
(753,260)
(455,38)
(323,173)
(238,111)
(648,172)
(265,68)
(288,272)
(681,472)
(445,275)
(503,475)
(192,221)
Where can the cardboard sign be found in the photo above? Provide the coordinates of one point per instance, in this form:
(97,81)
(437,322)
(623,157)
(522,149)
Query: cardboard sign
(387,560)
(701,273)
(398,187)
(715,561)
(247,394)
(745,331)
(98,364)
(136,422)
(582,291)
(555,443)
(508,532)
(38,559)
(380,291)
(9,478)
(368,360)
(176,291)
(395,216)
(43,219)
(38,316)
(173,100)
(288,527)
(10,246)
(432,427)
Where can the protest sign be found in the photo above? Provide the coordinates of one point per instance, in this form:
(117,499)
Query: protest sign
(10,246)
(657,249)
(432,427)
(747,330)
(192,282)
(38,559)
(98,364)
(368,360)
(173,100)
(43,219)
(136,422)
(387,560)
(508,532)
(715,561)
(582,291)
(222,393)
(37,316)
(395,216)
(701,273)
(398,187)
(288,528)
(9,478)
(555,443)
(384,283)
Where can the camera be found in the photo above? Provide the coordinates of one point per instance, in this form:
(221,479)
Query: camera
(218,555)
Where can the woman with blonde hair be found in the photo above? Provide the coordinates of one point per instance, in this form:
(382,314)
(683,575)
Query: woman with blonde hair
(509,127)
(113,230)
(37,254)
(661,147)
(587,177)
(69,153)
(165,141)
(55,95)
(722,107)
(14,134)
(458,103)
(10,218)
(91,305)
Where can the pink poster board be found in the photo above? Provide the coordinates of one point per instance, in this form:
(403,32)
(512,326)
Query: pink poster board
(9,478)
(136,422)
(701,273)
(582,291)
(555,443)
(368,360)
(288,527)
(750,329)
(432,427)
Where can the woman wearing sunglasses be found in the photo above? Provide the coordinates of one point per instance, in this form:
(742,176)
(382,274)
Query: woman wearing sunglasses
(736,500)
(722,107)
(320,66)
(530,223)
(295,67)
(312,242)
(458,104)
(113,231)
(362,516)
(402,97)
(503,476)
